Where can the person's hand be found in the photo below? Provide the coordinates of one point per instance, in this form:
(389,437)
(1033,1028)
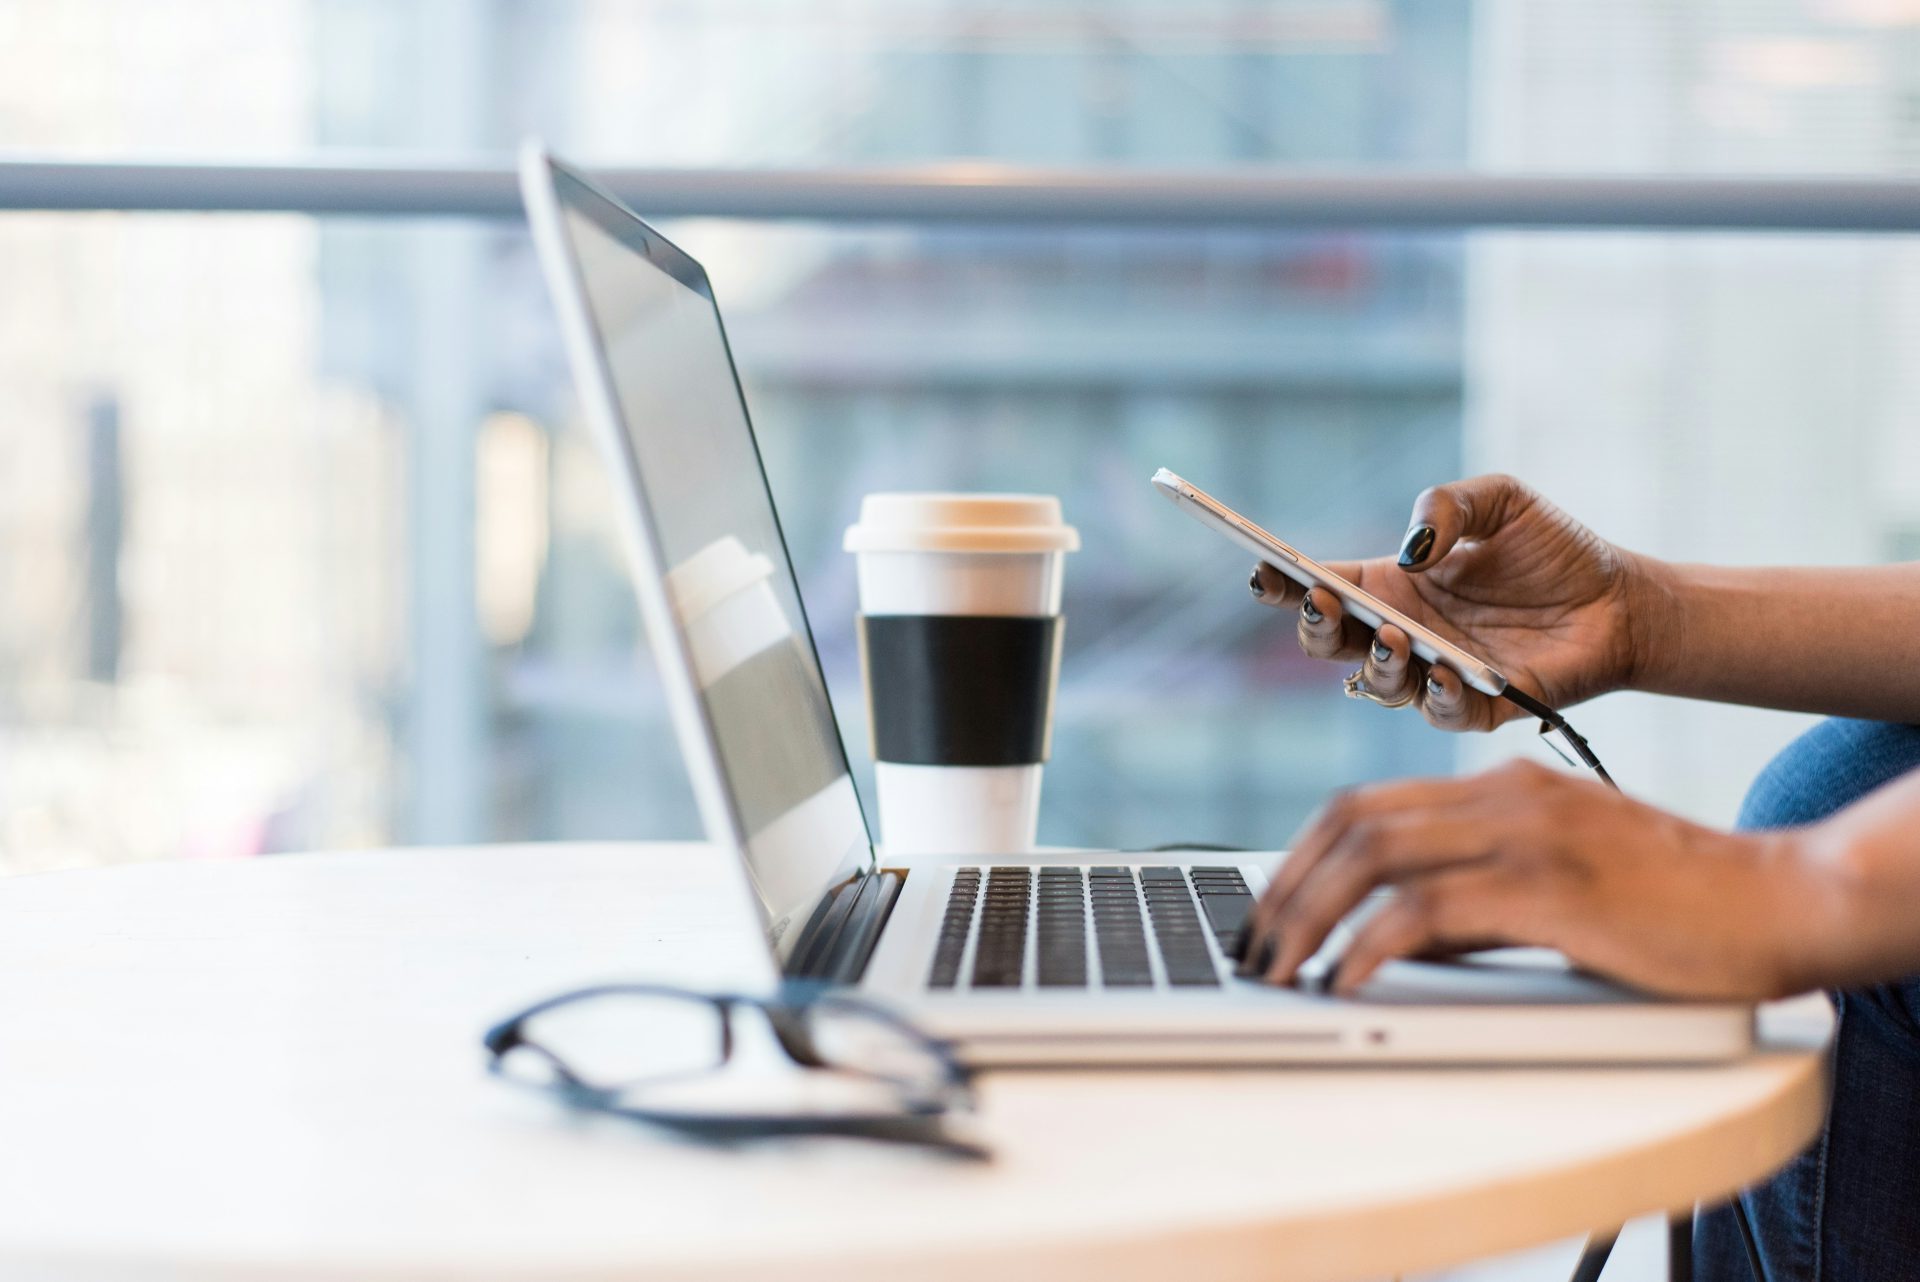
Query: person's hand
(1527,855)
(1504,574)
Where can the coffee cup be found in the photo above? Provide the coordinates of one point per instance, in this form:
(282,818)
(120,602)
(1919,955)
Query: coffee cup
(960,639)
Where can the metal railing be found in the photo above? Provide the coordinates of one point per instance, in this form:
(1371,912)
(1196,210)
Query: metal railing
(980,193)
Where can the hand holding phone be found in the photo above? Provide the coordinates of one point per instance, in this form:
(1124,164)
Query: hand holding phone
(1302,569)
(1368,609)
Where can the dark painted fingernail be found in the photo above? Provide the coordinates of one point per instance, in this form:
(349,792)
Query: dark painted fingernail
(1415,547)
(1381,652)
(1257,960)
(1307,609)
(1435,689)
(1253,584)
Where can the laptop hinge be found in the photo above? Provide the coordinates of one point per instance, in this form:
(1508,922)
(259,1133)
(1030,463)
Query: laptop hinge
(840,937)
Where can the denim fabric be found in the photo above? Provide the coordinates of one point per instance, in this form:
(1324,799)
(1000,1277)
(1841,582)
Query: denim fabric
(1848,1208)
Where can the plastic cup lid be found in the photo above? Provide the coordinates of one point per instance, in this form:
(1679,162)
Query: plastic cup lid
(961,523)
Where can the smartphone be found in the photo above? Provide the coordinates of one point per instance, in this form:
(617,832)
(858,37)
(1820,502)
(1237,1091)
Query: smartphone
(1302,569)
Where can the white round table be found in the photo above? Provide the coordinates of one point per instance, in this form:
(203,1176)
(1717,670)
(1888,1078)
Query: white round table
(271,1070)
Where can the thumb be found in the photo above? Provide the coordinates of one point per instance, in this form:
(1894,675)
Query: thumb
(1445,514)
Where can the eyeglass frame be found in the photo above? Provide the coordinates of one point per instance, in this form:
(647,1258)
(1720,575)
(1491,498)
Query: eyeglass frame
(916,1121)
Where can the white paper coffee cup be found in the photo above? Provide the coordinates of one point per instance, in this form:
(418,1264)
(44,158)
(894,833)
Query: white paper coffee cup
(960,653)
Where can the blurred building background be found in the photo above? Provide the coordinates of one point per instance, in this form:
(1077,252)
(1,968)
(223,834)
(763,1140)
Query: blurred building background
(301,546)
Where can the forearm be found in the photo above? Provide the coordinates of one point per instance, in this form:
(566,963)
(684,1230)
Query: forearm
(1856,919)
(1844,642)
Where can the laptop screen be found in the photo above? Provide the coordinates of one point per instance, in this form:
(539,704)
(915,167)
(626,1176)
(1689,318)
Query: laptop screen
(704,501)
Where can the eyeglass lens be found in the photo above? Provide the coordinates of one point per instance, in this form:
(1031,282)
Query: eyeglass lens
(661,1050)
(618,1040)
(847,1036)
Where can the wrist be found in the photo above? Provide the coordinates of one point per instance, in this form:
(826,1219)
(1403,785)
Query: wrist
(1811,899)
(1858,879)
(1653,601)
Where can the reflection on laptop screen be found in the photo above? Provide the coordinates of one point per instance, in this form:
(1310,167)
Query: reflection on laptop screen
(730,583)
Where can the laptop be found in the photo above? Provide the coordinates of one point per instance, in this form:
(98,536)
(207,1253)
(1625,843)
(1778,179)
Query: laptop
(1067,958)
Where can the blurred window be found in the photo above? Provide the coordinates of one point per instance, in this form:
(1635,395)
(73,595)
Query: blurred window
(304,547)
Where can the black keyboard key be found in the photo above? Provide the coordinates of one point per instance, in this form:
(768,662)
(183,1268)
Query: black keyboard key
(1118,930)
(1000,950)
(951,944)
(1182,938)
(1216,889)
(1192,972)
(1061,944)
(1227,914)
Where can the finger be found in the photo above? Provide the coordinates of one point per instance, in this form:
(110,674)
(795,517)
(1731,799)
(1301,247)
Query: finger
(1370,855)
(1344,810)
(1325,630)
(1445,514)
(1451,907)
(1270,587)
(1389,671)
(1449,703)
(1459,948)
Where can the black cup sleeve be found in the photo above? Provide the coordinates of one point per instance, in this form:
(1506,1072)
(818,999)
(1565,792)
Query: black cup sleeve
(960,690)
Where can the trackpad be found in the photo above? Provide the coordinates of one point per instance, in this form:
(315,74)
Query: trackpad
(1497,977)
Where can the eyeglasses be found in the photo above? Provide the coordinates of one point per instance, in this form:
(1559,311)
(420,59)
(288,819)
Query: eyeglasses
(654,1054)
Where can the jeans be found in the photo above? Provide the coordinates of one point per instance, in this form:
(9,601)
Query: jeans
(1848,1208)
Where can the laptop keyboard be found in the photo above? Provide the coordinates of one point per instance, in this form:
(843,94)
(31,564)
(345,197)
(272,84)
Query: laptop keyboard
(1103,927)
(1116,924)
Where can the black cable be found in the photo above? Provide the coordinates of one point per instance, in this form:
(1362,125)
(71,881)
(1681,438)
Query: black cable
(1747,1240)
(1551,721)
